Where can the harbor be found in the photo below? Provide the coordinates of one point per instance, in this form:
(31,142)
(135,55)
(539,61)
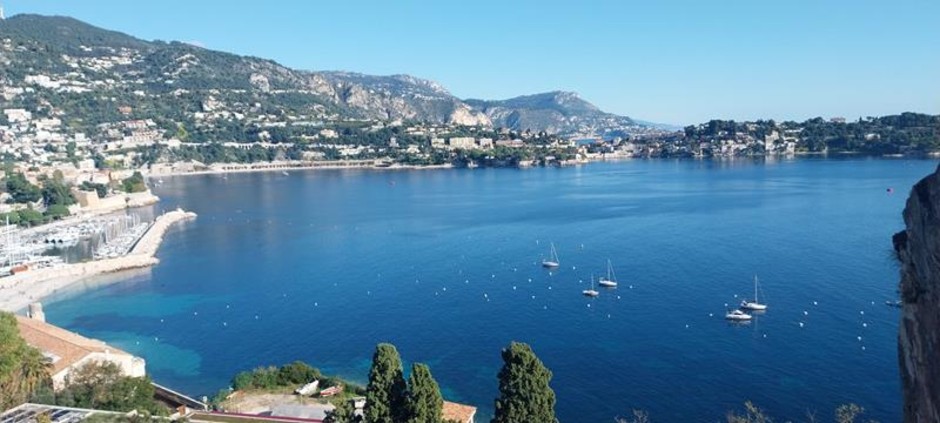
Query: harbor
(126,243)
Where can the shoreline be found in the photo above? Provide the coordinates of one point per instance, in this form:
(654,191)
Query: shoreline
(18,291)
(235,168)
(260,167)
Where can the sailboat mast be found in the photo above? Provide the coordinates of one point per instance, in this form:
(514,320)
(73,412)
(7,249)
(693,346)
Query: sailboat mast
(755,288)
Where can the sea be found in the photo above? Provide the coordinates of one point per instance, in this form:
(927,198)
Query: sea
(322,265)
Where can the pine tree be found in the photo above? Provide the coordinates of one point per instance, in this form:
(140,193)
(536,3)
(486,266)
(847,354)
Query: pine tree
(424,396)
(385,393)
(524,394)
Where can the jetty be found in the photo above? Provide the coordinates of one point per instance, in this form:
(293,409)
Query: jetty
(19,290)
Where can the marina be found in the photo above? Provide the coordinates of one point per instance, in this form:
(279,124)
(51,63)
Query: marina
(125,243)
(106,236)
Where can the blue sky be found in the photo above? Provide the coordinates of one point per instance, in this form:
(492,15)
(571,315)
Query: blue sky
(666,61)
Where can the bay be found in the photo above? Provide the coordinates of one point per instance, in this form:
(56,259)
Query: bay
(322,265)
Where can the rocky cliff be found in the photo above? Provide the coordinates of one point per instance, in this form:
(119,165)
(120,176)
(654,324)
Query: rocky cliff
(918,248)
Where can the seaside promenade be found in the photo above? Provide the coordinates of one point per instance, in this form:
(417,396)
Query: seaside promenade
(18,291)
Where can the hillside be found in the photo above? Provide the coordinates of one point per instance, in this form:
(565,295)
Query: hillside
(554,112)
(89,73)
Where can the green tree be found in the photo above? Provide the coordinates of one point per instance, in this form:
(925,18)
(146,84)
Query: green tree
(12,218)
(297,372)
(181,133)
(524,392)
(56,192)
(425,403)
(23,369)
(345,412)
(20,189)
(30,217)
(101,386)
(385,393)
(101,189)
(135,183)
(57,211)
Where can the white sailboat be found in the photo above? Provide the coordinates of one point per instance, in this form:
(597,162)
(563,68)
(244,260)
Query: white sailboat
(611,280)
(738,315)
(591,292)
(753,305)
(552,261)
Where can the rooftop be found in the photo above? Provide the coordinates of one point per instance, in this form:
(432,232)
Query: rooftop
(458,412)
(62,347)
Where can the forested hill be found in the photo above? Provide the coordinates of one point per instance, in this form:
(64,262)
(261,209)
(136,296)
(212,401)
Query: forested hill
(907,133)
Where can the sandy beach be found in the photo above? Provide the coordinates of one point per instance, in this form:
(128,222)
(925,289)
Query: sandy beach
(18,291)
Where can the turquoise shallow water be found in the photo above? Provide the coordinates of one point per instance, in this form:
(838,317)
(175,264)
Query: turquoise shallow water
(322,265)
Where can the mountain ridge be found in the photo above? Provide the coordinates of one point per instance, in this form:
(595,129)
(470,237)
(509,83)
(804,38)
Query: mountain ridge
(168,66)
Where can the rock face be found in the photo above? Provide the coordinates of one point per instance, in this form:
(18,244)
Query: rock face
(918,248)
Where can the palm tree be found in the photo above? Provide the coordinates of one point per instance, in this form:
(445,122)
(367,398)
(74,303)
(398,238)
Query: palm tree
(34,371)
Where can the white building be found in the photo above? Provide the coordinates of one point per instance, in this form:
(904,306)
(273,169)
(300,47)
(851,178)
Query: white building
(17,115)
(462,142)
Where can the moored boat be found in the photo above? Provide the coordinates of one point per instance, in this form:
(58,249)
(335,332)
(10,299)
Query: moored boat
(611,280)
(738,315)
(552,261)
(755,304)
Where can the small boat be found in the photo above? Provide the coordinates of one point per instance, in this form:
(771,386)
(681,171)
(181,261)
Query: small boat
(753,305)
(284,172)
(896,303)
(611,280)
(591,292)
(738,315)
(308,389)
(552,261)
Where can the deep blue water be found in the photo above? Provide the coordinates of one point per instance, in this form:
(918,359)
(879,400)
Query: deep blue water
(322,265)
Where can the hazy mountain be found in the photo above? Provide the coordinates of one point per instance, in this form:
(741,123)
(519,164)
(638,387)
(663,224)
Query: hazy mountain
(556,112)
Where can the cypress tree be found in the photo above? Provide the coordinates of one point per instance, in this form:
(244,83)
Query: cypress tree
(524,394)
(425,403)
(385,393)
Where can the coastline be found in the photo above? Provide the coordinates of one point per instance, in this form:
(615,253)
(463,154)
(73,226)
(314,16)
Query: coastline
(286,166)
(18,291)
(227,168)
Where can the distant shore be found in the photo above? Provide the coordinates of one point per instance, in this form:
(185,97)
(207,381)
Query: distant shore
(287,166)
(18,291)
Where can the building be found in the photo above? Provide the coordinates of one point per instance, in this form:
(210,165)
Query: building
(458,412)
(462,142)
(17,115)
(67,350)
